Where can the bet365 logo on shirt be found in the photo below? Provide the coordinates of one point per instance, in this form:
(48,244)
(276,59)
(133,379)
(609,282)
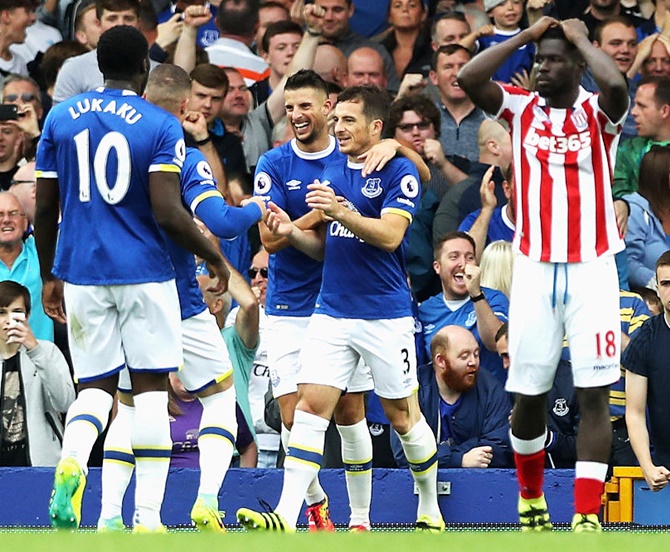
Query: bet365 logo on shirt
(558,144)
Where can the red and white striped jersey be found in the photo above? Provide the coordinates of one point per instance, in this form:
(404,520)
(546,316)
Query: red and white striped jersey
(563,165)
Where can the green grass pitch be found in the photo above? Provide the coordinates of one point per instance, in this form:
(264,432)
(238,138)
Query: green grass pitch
(378,541)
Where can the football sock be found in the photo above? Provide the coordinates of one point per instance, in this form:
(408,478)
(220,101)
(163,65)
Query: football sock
(421,453)
(529,459)
(87,418)
(152,447)
(315,492)
(589,486)
(302,464)
(357,458)
(118,462)
(216,440)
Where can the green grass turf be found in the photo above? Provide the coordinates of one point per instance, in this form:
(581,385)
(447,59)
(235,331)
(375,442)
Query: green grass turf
(474,541)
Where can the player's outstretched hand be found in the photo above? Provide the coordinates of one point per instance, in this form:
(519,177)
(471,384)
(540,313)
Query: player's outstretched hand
(378,155)
(258,201)
(322,197)
(52,300)
(278,221)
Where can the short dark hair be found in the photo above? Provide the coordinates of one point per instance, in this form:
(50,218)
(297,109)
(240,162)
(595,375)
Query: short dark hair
(422,105)
(447,50)
(449,14)
(449,236)
(663,260)
(620,19)
(10,291)
(30,5)
(237,17)
(277,28)
(117,6)
(376,103)
(557,33)
(56,55)
(168,85)
(210,76)
(122,53)
(503,331)
(306,78)
(661,89)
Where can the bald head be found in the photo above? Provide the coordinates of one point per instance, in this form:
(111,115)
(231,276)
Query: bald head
(168,87)
(331,64)
(451,337)
(365,66)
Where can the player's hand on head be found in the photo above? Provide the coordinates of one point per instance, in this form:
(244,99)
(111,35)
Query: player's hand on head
(540,26)
(378,155)
(574,29)
(195,124)
(197,16)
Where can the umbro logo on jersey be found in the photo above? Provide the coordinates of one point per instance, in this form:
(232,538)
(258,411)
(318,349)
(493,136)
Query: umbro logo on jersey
(293,184)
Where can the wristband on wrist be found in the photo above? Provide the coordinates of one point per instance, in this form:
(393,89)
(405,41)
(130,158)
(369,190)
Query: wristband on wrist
(478,297)
(312,32)
(203,142)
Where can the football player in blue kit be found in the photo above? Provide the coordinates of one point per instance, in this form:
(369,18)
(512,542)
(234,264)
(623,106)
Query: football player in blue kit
(207,369)
(363,310)
(111,161)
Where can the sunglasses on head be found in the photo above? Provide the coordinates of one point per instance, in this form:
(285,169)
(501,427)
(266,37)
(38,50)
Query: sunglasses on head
(254,271)
(407,127)
(25,97)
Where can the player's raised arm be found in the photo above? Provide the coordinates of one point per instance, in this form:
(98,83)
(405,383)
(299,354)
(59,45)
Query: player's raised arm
(613,96)
(165,192)
(475,77)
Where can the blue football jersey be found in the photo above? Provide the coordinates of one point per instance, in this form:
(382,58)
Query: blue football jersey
(361,280)
(282,176)
(101,146)
(500,227)
(434,314)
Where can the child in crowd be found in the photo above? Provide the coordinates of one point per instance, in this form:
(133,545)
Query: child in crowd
(506,15)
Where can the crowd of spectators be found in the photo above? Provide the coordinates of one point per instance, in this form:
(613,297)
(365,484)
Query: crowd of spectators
(239,54)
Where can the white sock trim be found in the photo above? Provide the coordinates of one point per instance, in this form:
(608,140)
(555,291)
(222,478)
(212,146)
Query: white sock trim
(590,470)
(527,446)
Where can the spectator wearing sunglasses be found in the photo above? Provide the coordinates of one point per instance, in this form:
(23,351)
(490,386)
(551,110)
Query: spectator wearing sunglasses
(25,93)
